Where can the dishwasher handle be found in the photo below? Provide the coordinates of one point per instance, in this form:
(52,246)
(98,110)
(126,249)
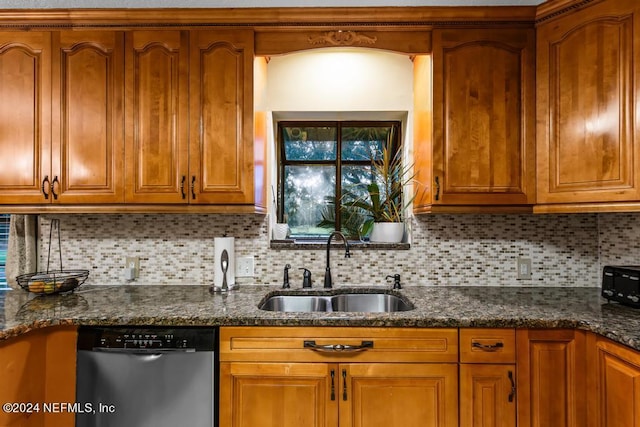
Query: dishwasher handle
(142,351)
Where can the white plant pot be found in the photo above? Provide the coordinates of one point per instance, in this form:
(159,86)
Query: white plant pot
(387,232)
(280,231)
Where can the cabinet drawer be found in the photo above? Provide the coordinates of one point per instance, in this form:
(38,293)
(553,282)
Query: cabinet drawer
(286,344)
(479,345)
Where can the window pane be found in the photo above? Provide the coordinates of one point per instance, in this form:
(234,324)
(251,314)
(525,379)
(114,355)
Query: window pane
(359,143)
(310,143)
(354,187)
(306,191)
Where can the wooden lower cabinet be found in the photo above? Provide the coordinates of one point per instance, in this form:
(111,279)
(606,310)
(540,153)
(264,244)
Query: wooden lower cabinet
(551,378)
(269,377)
(345,395)
(277,395)
(487,377)
(617,385)
(38,367)
(398,395)
(487,395)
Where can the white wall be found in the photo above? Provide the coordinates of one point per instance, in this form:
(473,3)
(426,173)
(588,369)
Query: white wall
(340,79)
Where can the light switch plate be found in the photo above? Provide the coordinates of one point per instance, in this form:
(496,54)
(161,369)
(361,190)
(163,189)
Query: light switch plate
(245,266)
(524,268)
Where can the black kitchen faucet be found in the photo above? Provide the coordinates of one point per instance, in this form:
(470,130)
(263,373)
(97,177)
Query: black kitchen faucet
(327,273)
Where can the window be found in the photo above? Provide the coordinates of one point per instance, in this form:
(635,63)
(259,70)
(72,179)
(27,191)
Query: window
(319,160)
(4,241)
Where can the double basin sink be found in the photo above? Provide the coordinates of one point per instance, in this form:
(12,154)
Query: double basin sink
(377,302)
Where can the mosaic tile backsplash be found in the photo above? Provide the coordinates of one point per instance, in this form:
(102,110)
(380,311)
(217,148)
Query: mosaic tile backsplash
(566,250)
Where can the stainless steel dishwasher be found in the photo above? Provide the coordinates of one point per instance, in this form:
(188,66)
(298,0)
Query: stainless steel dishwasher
(146,377)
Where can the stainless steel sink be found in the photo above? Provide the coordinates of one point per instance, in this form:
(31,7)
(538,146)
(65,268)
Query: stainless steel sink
(345,302)
(369,303)
(305,303)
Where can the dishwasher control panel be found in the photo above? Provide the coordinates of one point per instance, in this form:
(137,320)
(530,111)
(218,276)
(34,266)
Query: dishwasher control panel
(90,338)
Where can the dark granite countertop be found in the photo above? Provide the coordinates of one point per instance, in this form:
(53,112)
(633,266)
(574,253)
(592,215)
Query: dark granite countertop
(435,306)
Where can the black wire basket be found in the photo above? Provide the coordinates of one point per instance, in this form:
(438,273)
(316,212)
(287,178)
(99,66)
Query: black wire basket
(53,282)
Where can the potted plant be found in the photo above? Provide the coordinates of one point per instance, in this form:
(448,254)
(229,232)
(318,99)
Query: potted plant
(382,200)
(280,228)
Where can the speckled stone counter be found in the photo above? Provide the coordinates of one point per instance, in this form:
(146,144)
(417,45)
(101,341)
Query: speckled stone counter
(435,306)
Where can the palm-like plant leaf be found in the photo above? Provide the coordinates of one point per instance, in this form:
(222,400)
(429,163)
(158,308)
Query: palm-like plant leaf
(383,198)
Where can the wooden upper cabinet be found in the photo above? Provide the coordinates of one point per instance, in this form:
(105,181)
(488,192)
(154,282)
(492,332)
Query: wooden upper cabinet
(87,117)
(157,108)
(483,150)
(25,108)
(587,140)
(221,117)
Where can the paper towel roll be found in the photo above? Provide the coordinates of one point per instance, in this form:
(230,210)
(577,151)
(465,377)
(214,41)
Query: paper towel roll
(220,244)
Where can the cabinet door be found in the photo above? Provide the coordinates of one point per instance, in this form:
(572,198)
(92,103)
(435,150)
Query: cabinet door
(484,143)
(25,138)
(88,117)
(39,367)
(221,117)
(487,395)
(618,385)
(278,395)
(587,145)
(551,378)
(398,395)
(157,136)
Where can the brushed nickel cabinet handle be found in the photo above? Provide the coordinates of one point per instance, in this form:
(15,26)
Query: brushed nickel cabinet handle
(488,347)
(343,348)
(45,181)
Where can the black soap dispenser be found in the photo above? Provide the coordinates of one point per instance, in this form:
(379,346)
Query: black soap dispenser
(306,278)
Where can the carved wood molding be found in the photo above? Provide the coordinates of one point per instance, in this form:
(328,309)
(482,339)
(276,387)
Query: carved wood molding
(342,38)
(555,8)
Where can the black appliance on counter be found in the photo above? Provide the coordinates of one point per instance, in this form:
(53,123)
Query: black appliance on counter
(621,283)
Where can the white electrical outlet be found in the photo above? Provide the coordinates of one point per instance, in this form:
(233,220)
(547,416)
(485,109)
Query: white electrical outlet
(245,266)
(524,268)
(132,266)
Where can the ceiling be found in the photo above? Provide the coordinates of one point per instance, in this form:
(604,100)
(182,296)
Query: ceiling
(66,4)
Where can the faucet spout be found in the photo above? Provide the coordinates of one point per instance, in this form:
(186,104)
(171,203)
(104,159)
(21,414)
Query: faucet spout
(328,283)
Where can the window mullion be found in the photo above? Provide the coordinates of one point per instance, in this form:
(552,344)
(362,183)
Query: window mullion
(338,197)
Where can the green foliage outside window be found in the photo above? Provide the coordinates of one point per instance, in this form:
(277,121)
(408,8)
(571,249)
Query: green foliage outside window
(321,159)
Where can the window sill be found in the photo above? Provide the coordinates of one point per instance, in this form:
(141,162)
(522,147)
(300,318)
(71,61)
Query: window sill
(322,244)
